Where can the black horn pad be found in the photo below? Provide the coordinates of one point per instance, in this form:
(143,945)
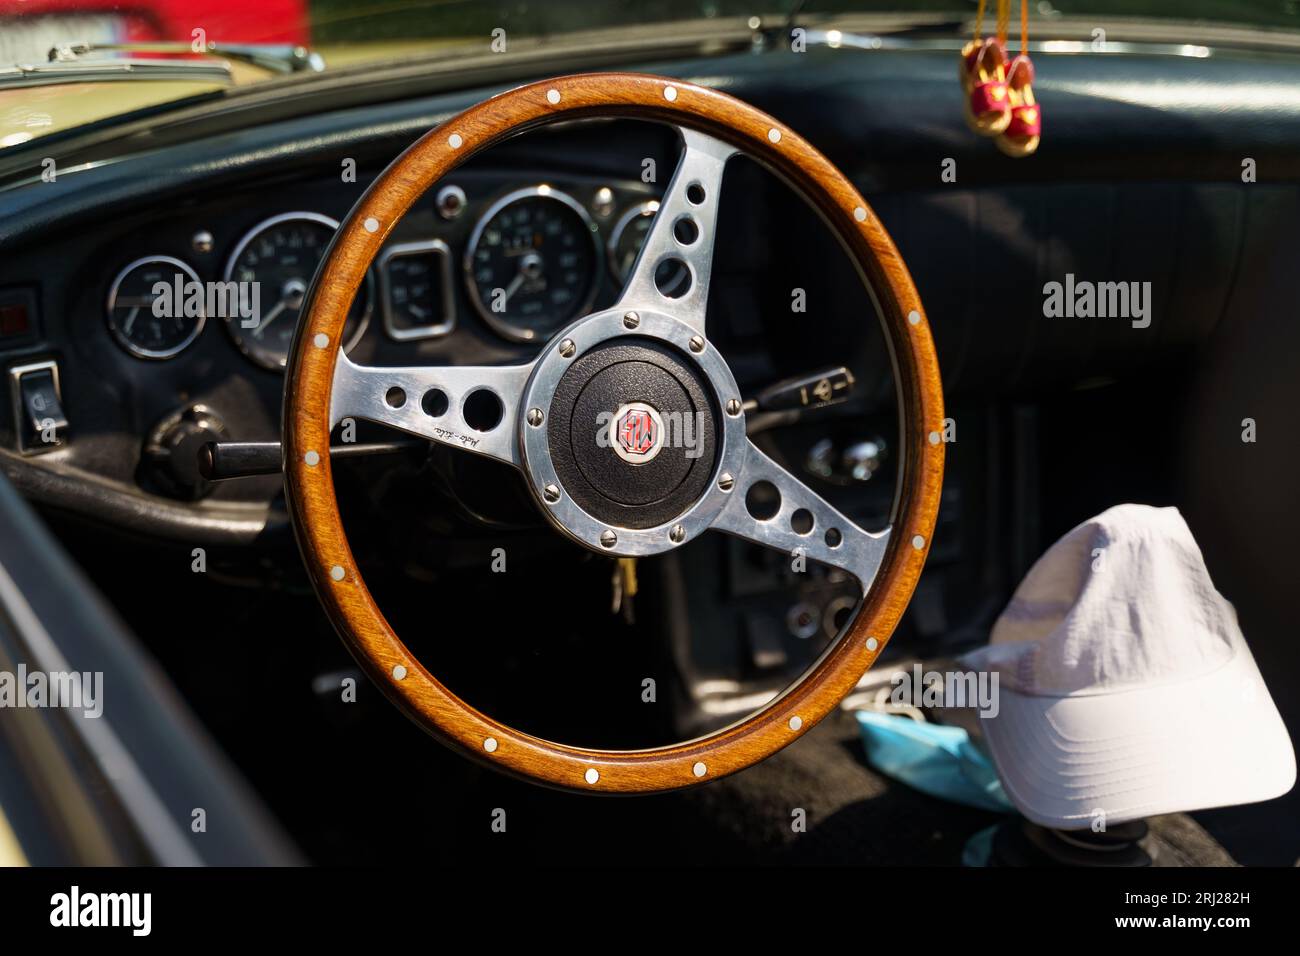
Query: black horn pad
(664,402)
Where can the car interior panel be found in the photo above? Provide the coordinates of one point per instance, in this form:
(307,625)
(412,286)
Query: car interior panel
(162,520)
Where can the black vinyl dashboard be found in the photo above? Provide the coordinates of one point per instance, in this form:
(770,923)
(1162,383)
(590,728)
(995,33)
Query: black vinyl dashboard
(232,201)
(421,302)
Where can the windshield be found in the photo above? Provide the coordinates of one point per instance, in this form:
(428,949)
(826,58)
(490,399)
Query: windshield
(62,62)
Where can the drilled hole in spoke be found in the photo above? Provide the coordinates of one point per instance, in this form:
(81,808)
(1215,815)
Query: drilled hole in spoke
(762,501)
(686,231)
(801,522)
(833,537)
(435,403)
(483,410)
(695,194)
(672,278)
(395,397)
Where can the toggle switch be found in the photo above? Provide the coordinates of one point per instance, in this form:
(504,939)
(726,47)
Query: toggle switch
(39,419)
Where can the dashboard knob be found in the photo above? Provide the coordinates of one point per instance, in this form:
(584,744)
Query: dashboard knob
(171,454)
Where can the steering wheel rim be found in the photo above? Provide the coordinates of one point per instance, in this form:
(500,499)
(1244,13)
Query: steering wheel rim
(320,383)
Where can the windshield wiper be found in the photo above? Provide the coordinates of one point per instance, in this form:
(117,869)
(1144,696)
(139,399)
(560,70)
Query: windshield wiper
(273,57)
(99,71)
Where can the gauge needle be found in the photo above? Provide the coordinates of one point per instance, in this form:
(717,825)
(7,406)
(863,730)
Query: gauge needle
(530,267)
(135,303)
(271,316)
(290,298)
(513,287)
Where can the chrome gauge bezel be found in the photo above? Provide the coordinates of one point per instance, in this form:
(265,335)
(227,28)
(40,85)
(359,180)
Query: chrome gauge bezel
(246,240)
(111,303)
(402,250)
(496,322)
(642,210)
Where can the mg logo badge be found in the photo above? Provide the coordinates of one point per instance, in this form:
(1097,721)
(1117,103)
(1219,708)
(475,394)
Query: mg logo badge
(636,433)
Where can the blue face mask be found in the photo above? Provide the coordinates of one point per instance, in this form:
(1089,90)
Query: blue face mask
(937,760)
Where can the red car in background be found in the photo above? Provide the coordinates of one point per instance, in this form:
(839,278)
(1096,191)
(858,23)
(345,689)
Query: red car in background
(29,28)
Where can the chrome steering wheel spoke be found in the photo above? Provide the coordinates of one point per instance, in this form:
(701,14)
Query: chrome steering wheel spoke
(433,402)
(804,525)
(683,231)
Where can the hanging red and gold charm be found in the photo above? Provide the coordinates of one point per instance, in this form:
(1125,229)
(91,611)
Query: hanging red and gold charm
(999,92)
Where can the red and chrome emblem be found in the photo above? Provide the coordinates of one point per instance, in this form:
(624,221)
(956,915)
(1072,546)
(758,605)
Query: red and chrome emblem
(636,433)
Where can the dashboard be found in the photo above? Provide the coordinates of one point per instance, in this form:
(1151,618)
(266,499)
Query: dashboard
(484,268)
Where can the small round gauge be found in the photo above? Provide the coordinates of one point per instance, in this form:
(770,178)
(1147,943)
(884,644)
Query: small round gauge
(143,325)
(281,256)
(626,239)
(533,262)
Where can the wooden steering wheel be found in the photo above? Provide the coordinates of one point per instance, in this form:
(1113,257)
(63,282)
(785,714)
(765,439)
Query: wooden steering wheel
(322,388)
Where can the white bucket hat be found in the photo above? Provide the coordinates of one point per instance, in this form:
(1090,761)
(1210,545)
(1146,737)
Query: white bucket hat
(1125,686)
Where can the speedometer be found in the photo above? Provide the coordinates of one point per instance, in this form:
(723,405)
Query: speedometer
(532,263)
(280,255)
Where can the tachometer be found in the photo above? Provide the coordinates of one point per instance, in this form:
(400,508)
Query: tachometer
(532,263)
(281,255)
